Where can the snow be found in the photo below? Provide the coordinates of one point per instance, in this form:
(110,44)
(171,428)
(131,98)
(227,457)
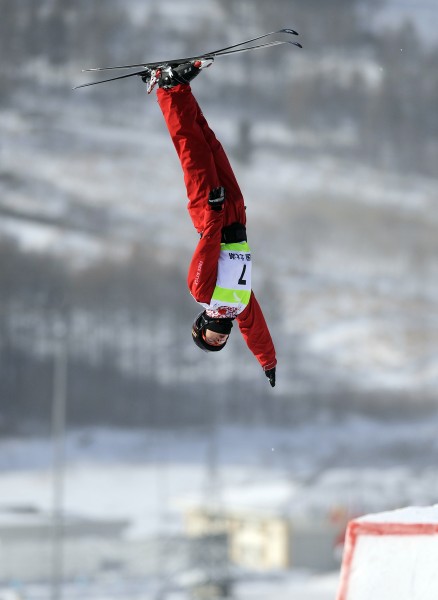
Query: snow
(303,586)
(395,567)
(38,238)
(300,586)
(409,514)
(348,286)
(149,477)
(423,14)
(362,309)
(391,560)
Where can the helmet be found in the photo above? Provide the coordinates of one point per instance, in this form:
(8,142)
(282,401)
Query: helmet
(203,322)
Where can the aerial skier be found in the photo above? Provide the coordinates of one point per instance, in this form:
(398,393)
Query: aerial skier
(219,276)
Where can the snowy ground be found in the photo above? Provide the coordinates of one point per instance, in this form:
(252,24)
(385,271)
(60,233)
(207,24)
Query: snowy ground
(302,586)
(150,477)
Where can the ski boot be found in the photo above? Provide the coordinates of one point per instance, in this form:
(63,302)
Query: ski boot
(168,77)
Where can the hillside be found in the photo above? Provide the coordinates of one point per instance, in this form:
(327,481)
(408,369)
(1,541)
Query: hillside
(345,248)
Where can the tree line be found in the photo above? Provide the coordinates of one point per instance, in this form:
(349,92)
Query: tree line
(131,360)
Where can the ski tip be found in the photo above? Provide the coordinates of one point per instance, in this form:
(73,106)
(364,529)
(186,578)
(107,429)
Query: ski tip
(286,30)
(297,44)
(83,85)
(94,69)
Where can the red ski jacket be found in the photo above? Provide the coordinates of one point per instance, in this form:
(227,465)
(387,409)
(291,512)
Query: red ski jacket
(206,166)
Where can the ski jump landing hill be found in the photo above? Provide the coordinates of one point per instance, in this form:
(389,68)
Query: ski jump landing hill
(391,556)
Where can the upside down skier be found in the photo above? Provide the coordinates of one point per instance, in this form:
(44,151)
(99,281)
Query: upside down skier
(219,276)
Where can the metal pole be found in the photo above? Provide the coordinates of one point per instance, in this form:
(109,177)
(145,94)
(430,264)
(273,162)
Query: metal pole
(58,437)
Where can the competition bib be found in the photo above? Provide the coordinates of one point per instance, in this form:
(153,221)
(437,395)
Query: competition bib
(233,284)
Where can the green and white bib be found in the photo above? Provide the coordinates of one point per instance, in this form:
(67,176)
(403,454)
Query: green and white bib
(233,284)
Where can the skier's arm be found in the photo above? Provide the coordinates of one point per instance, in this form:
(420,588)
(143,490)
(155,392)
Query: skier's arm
(256,334)
(202,273)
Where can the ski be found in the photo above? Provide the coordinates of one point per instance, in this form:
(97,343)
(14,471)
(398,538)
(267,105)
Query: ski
(178,61)
(148,67)
(240,50)
(143,72)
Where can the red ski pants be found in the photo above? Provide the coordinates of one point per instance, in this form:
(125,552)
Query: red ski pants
(203,160)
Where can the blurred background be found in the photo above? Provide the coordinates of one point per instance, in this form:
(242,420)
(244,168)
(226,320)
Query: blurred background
(131,464)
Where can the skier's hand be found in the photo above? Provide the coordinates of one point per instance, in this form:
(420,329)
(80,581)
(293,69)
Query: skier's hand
(270,374)
(216,198)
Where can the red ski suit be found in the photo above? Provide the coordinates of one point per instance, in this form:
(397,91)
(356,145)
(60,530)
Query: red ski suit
(206,166)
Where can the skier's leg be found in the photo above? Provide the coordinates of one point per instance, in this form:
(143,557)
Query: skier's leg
(234,206)
(195,153)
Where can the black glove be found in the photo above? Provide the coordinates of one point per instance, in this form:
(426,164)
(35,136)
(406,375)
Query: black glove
(270,374)
(216,198)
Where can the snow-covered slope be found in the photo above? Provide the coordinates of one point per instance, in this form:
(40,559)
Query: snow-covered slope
(345,254)
(392,555)
(350,250)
